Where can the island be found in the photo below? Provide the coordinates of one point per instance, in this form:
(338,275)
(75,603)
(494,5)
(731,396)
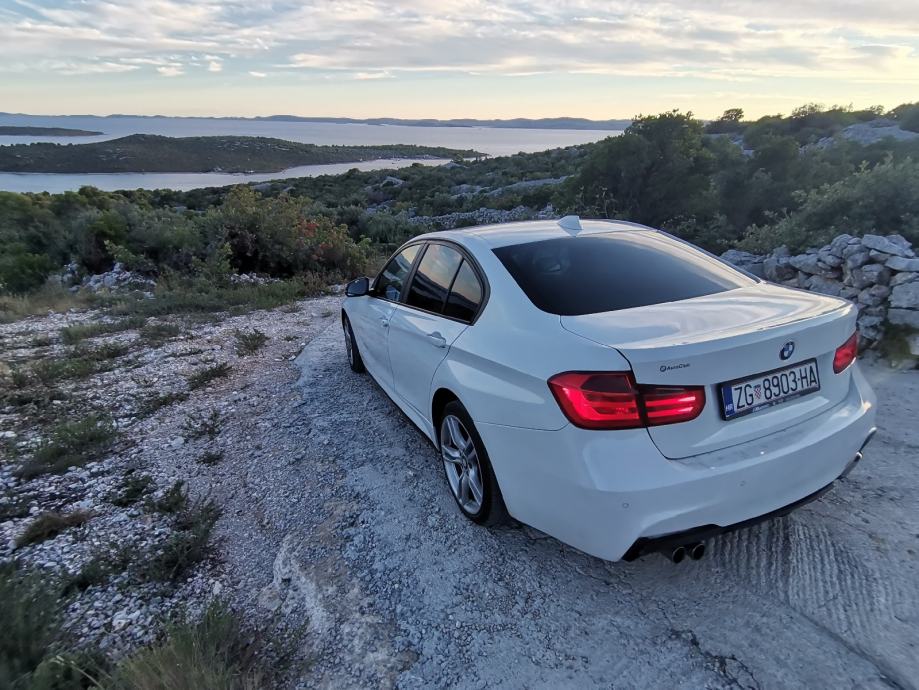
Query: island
(45,132)
(154,153)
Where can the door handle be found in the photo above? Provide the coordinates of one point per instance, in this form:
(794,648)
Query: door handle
(384,322)
(437,339)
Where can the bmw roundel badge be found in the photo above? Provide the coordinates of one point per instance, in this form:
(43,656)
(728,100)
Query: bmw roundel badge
(788,349)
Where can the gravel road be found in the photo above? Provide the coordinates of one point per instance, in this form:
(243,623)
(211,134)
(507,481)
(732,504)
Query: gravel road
(339,523)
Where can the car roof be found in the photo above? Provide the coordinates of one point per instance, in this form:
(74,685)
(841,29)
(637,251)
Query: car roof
(505,234)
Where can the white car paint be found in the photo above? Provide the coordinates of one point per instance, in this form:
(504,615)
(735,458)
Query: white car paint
(602,490)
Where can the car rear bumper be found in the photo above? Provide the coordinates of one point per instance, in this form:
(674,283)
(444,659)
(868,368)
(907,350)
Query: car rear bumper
(606,492)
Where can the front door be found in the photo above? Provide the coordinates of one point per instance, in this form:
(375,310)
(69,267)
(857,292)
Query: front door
(372,317)
(420,334)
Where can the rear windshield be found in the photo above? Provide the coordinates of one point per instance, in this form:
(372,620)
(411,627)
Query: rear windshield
(617,270)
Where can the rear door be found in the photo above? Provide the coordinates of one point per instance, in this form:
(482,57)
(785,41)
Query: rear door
(371,316)
(442,299)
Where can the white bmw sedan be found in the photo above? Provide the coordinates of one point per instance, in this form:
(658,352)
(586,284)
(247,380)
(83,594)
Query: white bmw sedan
(612,385)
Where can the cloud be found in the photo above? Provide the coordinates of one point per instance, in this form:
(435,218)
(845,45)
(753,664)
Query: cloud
(257,75)
(363,76)
(170,70)
(726,40)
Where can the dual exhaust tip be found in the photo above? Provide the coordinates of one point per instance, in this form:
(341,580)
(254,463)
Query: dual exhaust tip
(681,553)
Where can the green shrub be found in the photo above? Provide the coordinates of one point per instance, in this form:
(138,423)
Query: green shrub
(29,626)
(213,653)
(34,652)
(48,525)
(188,545)
(249,342)
(173,501)
(133,487)
(196,426)
(201,378)
(883,199)
(157,333)
(22,272)
(156,402)
(210,457)
(75,334)
(70,444)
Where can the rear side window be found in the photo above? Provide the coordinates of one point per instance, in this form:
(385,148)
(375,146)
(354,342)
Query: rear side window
(617,270)
(433,278)
(465,295)
(392,278)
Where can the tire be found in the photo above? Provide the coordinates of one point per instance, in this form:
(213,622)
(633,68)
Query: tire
(354,355)
(457,437)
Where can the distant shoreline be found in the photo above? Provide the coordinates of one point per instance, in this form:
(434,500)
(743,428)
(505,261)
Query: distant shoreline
(46,132)
(147,153)
(570,123)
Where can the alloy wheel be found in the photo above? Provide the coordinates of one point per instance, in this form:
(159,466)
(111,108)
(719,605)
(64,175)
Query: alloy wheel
(461,462)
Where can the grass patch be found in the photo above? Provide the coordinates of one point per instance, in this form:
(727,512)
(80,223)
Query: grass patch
(204,297)
(212,653)
(82,363)
(75,334)
(187,546)
(196,426)
(158,333)
(39,303)
(174,500)
(48,371)
(32,647)
(133,488)
(70,444)
(210,457)
(156,402)
(48,525)
(250,342)
(201,378)
(42,341)
(13,508)
(103,564)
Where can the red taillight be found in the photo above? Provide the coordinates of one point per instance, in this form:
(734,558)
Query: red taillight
(845,354)
(595,400)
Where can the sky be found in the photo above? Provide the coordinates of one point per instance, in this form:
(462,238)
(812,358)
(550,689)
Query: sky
(454,58)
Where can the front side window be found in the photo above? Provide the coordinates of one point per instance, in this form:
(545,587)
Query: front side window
(392,278)
(590,274)
(433,278)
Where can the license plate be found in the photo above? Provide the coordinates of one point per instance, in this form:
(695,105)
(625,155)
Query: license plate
(754,393)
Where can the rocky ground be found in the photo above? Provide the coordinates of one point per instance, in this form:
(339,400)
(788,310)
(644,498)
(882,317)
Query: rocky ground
(339,540)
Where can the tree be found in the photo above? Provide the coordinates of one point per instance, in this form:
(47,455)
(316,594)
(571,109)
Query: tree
(658,172)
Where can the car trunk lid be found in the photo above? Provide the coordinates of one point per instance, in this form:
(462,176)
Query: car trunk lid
(709,340)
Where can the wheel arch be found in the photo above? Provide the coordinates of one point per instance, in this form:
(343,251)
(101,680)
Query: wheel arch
(442,396)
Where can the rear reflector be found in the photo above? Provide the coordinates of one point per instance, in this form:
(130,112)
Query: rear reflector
(845,354)
(612,400)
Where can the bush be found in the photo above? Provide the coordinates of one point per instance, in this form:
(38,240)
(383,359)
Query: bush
(133,488)
(201,378)
(48,525)
(249,342)
(70,444)
(29,626)
(75,334)
(173,500)
(883,199)
(189,544)
(210,654)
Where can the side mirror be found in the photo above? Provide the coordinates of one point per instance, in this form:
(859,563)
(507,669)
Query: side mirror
(358,287)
